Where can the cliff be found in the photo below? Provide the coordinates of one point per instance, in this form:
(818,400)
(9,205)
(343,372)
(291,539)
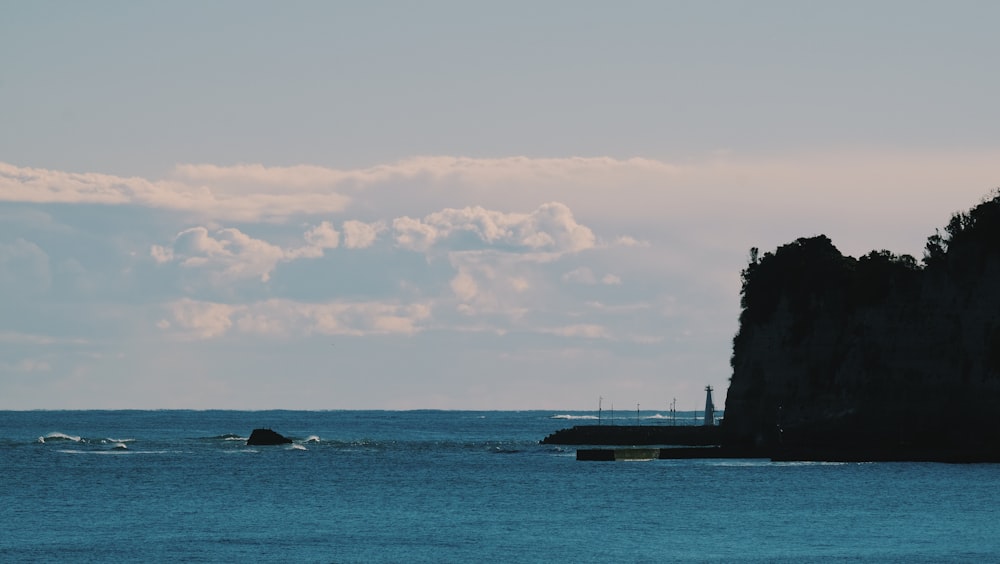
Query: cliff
(876,355)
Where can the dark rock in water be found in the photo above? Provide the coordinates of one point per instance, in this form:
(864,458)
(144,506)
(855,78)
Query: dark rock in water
(267,437)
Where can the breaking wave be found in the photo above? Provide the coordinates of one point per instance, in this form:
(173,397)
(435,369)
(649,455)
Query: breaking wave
(57,437)
(229,437)
(573,417)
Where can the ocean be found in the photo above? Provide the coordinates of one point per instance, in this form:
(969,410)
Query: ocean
(452,486)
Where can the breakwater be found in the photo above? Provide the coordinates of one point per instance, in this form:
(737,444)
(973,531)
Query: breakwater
(636,435)
(666,453)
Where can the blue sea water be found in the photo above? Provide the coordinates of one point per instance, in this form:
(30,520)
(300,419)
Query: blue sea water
(452,486)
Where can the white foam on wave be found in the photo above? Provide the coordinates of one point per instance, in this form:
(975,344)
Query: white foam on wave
(120,451)
(52,437)
(312,439)
(568,416)
(296,446)
(116,441)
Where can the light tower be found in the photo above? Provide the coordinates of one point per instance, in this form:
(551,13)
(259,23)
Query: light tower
(709,407)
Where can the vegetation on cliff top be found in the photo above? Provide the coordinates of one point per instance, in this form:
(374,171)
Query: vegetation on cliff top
(880,349)
(814,277)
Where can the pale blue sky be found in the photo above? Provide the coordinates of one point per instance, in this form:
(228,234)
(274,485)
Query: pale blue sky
(452,204)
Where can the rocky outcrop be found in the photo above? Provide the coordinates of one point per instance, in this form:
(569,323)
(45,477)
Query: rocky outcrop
(873,358)
(267,437)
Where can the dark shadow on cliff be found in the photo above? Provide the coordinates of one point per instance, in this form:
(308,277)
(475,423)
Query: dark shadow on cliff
(879,357)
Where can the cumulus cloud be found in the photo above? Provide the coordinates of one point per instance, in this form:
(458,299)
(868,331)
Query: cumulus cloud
(493,283)
(233,255)
(192,319)
(201,320)
(413,234)
(323,236)
(464,286)
(361,235)
(550,228)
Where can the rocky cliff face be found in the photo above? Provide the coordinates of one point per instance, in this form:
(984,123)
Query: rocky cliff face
(880,351)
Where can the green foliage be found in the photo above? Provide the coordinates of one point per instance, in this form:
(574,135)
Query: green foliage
(880,274)
(810,273)
(813,276)
(968,238)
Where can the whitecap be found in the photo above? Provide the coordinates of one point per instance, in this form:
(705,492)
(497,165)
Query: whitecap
(312,439)
(59,437)
(296,446)
(568,416)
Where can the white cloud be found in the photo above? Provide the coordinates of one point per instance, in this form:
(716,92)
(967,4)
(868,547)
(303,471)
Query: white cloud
(360,235)
(711,202)
(626,241)
(413,234)
(232,255)
(283,318)
(161,254)
(582,330)
(201,320)
(464,286)
(611,280)
(728,187)
(550,228)
(323,236)
(247,202)
(494,283)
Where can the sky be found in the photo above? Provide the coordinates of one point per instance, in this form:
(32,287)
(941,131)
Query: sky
(452,205)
